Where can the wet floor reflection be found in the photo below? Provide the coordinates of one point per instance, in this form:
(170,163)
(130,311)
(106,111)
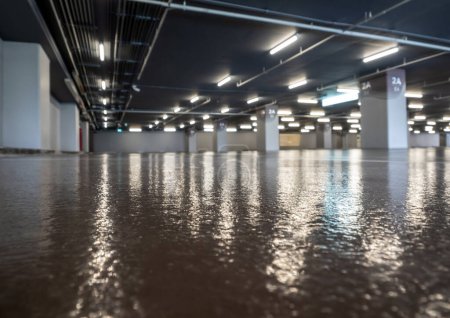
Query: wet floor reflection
(299,233)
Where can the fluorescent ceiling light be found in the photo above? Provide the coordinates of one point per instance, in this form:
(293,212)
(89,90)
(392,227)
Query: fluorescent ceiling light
(135,130)
(353,121)
(380,55)
(105,112)
(446,118)
(337,128)
(284,44)
(150,126)
(417,132)
(431,132)
(105,101)
(253,100)
(298,84)
(281,127)
(165,116)
(310,127)
(253,118)
(231,129)
(105,118)
(431,123)
(356,126)
(323,120)
(348,90)
(224,110)
(224,81)
(156,122)
(194,99)
(205,117)
(103,85)
(208,129)
(102,51)
(284,112)
(415,106)
(170,129)
(410,129)
(317,113)
(353,131)
(105,125)
(307,101)
(255,130)
(339,99)
(304,131)
(192,122)
(255,124)
(119,130)
(176,109)
(420,117)
(447,129)
(413,95)
(287,119)
(410,122)
(181,126)
(208,126)
(355,114)
(294,125)
(429,128)
(245,126)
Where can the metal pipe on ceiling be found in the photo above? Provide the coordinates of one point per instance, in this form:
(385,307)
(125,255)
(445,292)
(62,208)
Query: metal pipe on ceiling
(312,27)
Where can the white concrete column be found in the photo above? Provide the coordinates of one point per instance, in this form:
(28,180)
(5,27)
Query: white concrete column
(324,136)
(70,128)
(268,136)
(220,139)
(191,141)
(26,96)
(85,135)
(384,118)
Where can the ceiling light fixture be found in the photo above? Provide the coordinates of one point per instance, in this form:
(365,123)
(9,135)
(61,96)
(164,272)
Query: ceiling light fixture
(181,126)
(101,48)
(431,123)
(164,117)
(135,130)
(156,122)
(304,131)
(103,85)
(420,117)
(192,122)
(208,129)
(224,81)
(150,126)
(298,84)
(253,118)
(194,99)
(231,129)
(105,112)
(413,95)
(287,119)
(284,112)
(353,121)
(348,90)
(294,125)
(339,99)
(205,117)
(415,106)
(380,55)
(323,120)
(224,110)
(355,114)
(176,109)
(353,131)
(310,127)
(284,44)
(105,101)
(318,113)
(337,128)
(208,126)
(253,100)
(170,129)
(281,127)
(307,101)
(245,127)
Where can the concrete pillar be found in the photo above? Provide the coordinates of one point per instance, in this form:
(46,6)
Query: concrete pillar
(85,131)
(70,131)
(324,136)
(384,118)
(220,140)
(268,136)
(191,141)
(26,96)
(444,140)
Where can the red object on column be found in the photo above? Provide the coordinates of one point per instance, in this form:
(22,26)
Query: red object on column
(81,139)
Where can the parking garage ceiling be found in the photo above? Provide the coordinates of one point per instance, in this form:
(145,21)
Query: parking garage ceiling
(158,55)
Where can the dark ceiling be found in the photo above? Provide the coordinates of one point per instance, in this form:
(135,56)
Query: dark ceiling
(192,51)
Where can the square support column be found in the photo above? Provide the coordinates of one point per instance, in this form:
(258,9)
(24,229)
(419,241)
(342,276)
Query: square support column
(324,136)
(384,118)
(191,141)
(85,136)
(268,136)
(26,96)
(220,136)
(70,128)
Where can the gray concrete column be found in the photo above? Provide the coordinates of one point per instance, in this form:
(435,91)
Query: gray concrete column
(220,140)
(191,141)
(26,96)
(268,135)
(384,118)
(85,135)
(1,93)
(324,136)
(69,131)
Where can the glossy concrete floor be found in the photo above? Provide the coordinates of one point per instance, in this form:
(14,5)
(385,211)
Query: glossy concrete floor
(299,233)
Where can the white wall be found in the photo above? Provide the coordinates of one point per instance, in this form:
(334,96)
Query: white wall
(54,126)
(205,141)
(139,142)
(424,140)
(308,141)
(235,141)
